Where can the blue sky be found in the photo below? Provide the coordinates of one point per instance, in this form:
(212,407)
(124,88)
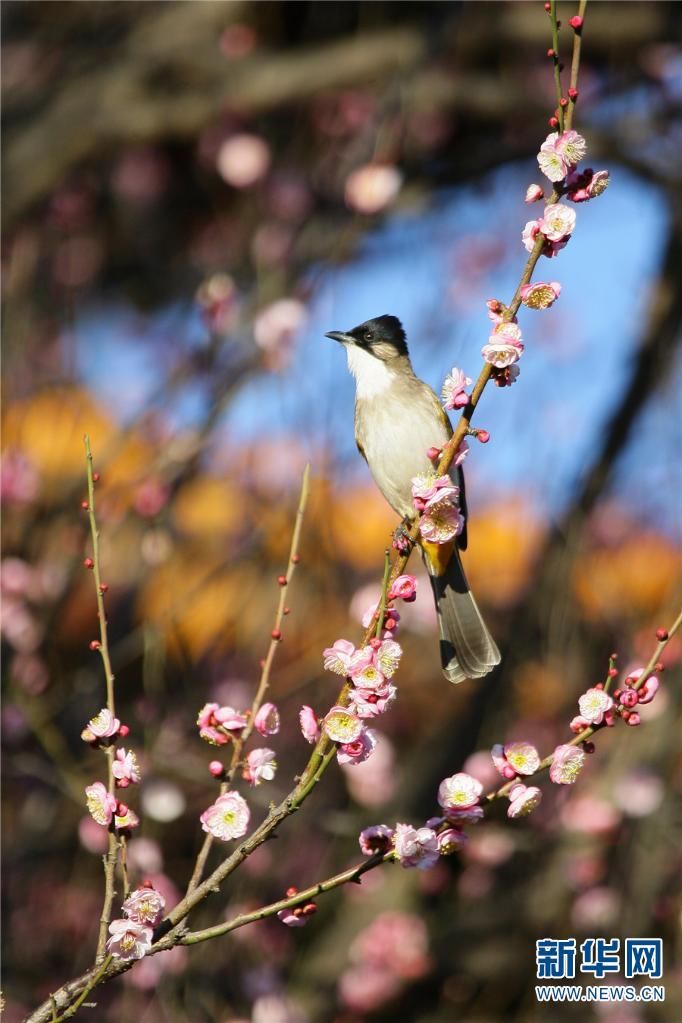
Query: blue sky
(576,360)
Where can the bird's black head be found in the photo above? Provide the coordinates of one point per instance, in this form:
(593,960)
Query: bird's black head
(382,336)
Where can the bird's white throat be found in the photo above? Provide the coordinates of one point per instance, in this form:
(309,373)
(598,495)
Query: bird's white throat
(372,376)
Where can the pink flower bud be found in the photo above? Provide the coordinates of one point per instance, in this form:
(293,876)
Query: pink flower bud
(433,453)
(634,719)
(404,588)
(534,193)
(267,720)
(483,436)
(629,698)
(216,768)
(576,22)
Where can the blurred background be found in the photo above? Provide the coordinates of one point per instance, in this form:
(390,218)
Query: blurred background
(194,193)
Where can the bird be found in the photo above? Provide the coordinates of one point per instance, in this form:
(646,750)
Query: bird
(398,417)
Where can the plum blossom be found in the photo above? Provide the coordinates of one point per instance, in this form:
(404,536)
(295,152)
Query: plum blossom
(557,222)
(266,720)
(504,345)
(594,704)
(293,917)
(540,295)
(102,726)
(227,818)
(144,905)
(459,792)
(559,153)
(356,752)
(522,757)
(567,763)
(261,765)
(450,840)
(454,389)
(387,657)
(125,768)
(429,490)
(217,724)
(522,800)
(310,726)
(416,847)
(534,193)
(571,145)
(100,803)
(403,588)
(648,690)
(529,234)
(371,188)
(337,657)
(125,819)
(129,940)
(342,725)
(376,839)
(275,329)
(587,184)
(243,160)
(367,676)
(368,703)
(441,523)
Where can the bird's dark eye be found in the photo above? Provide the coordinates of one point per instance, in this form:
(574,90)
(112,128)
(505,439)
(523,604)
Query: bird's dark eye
(369,336)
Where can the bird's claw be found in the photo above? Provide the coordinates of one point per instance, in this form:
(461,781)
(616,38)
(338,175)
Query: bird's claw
(402,541)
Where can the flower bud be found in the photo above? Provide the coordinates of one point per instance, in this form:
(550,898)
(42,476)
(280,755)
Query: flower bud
(573,94)
(576,22)
(94,644)
(629,698)
(216,768)
(634,719)
(661,635)
(88,562)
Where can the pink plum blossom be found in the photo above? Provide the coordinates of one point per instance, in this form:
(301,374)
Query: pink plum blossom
(261,765)
(342,725)
(523,757)
(266,720)
(337,657)
(125,819)
(567,763)
(571,145)
(441,523)
(231,720)
(540,295)
(650,687)
(243,160)
(578,724)
(357,751)
(276,327)
(459,792)
(293,917)
(310,726)
(125,768)
(416,847)
(594,704)
(529,234)
(144,906)
(227,818)
(102,726)
(100,803)
(454,389)
(129,940)
(560,153)
(372,188)
(557,222)
(403,588)
(368,676)
(368,703)
(534,193)
(376,839)
(523,800)
(587,184)
(429,489)
(450,840)
(387,657)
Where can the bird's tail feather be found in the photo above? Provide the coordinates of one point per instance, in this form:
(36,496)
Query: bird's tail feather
(467,648)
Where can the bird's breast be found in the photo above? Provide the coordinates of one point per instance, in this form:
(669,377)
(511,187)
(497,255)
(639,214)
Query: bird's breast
(394,434)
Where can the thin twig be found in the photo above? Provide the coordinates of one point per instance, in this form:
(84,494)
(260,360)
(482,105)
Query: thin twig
(112,850)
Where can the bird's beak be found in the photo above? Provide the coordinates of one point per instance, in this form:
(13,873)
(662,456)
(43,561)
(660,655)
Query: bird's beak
(338,335)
